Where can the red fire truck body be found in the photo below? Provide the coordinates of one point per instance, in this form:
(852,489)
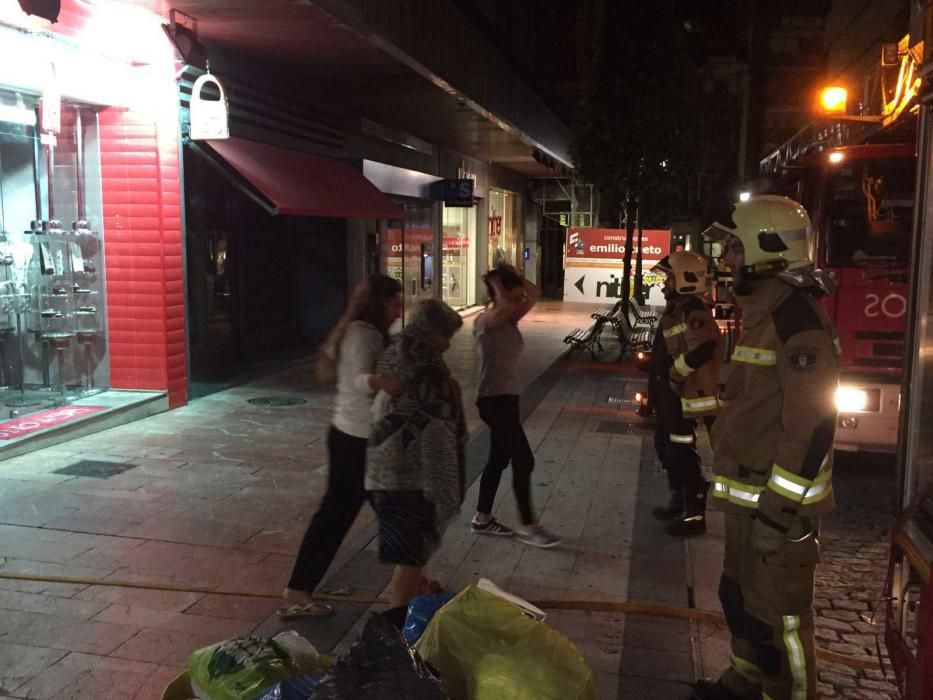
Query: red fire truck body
(860,199)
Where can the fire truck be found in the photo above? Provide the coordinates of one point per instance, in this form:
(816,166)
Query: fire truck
(856,177)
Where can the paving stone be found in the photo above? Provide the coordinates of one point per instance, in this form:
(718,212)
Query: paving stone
(146,618)
(253,610)
(49,605)
(173,601)
(80,676)
(657,664)
(19,663)
(64,633)
(842,615)
(163,646)
(835,625)
(837,680)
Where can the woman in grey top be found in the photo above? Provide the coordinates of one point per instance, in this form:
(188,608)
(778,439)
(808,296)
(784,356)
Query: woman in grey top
(500,344)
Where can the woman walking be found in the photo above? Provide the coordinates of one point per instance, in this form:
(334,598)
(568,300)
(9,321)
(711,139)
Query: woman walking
(415,470)
(500,344)
(355,345)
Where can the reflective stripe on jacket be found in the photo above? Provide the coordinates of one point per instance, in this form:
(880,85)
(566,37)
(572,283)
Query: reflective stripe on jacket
(693,341)
(772,442)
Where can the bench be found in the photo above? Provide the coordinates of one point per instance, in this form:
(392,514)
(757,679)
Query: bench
(642,314)
(589,338)
(633,336)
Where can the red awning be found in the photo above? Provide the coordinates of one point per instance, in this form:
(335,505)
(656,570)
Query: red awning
(301,184)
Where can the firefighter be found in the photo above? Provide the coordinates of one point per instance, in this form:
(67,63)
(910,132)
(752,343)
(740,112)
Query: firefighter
(684,387)
(772,443)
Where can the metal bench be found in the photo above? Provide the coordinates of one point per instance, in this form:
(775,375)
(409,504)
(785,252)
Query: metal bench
(589,338)
(642,314)
(586,339)
(632,336)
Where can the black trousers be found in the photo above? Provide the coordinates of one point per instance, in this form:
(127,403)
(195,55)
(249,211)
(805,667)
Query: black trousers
(507,443)
(339,508)
(676,448)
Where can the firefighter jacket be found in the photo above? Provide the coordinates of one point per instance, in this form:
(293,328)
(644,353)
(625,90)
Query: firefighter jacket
(685,355)
(773,440)
(694,344)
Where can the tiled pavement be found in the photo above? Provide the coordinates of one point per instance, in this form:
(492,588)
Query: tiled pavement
(220,491)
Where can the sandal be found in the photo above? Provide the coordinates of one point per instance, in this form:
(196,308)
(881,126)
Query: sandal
(315,609)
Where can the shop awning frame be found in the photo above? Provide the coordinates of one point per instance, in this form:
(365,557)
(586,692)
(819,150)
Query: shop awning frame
(286,182)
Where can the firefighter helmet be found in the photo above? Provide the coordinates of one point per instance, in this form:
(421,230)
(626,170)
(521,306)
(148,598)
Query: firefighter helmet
(775,233)
(687,271)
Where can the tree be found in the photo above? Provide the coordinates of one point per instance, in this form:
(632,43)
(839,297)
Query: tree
(632,135)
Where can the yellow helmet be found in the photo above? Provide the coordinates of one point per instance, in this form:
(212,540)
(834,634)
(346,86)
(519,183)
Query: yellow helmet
(775,232)
(687,271)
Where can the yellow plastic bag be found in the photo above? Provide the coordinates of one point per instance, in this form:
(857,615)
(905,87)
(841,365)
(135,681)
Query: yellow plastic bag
(486,649)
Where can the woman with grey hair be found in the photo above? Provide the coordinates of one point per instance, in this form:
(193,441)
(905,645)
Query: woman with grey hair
(415,463)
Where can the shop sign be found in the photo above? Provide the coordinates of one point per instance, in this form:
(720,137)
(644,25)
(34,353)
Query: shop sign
(209,115)
(594,258)
(495,227)
(454,192)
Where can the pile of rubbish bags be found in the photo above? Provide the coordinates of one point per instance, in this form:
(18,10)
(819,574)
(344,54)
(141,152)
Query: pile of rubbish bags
(480,644)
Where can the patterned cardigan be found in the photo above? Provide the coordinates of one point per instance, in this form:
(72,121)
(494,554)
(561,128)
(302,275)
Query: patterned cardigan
(419,441)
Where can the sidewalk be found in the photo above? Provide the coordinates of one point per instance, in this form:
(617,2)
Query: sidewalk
(220,491)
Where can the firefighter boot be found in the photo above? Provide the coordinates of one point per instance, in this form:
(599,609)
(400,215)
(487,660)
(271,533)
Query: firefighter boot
(705,689)
(673,509)
(693,522)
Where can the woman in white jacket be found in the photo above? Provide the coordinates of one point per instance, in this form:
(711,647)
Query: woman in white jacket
(354,346)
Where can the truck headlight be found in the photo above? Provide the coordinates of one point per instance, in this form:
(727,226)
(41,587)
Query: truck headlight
(851,400)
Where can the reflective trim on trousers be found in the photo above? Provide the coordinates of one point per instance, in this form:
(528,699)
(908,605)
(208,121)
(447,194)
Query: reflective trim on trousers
(837,345)
(699,405)
(796,658)
(681,439)
(746,669)
(681,366)
(754,356)
(736,492)
(679,329)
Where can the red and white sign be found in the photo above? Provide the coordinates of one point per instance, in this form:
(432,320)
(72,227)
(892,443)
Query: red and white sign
(608,244)
(42,420)
(593,263)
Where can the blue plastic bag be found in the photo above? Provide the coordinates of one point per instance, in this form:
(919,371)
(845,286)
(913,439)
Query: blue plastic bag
(420,611)
(295,688)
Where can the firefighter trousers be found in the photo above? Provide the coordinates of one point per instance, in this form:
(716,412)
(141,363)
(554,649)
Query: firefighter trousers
(768,603)
(680,459)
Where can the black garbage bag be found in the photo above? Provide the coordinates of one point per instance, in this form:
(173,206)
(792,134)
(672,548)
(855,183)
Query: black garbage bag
(380,665)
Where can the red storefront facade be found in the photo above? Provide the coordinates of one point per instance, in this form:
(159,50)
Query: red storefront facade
(110,62)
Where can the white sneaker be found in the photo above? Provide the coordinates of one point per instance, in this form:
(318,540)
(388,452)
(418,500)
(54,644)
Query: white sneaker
(538,538)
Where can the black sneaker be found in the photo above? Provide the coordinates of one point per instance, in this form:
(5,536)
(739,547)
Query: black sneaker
(491,527)
(690,526)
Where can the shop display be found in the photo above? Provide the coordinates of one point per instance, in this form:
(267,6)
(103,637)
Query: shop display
(48,311)
(52,339)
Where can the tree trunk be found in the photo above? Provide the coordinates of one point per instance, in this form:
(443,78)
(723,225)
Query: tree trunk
(639,277)
(630,206)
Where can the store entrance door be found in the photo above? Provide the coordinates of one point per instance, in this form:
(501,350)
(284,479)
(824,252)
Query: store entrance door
(408,253)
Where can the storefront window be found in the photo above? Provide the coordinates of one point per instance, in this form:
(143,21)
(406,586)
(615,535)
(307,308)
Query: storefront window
(459,253)
(52,317)
(407,251)
(504,228)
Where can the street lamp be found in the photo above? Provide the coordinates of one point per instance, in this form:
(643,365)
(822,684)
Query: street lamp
(833,100)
